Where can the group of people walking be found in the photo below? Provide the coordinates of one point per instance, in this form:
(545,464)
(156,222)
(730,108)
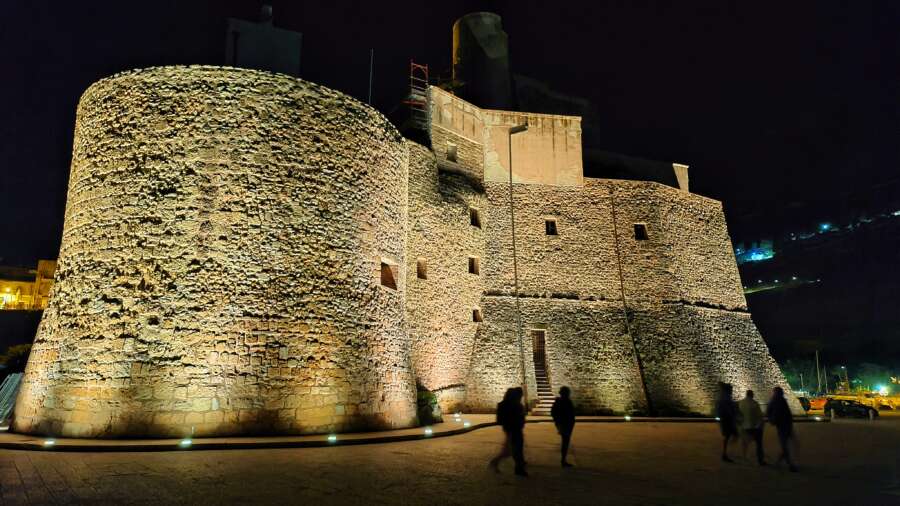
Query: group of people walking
(744,420)
(511,417)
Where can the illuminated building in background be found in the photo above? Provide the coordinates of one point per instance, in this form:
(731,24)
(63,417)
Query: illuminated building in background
(26,289)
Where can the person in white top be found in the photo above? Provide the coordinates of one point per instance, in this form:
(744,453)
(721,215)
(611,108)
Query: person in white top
(751,425)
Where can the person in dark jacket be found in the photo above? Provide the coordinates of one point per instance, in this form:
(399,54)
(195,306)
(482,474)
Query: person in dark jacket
(511,416)
(727,417)
(563,413)
(779,414)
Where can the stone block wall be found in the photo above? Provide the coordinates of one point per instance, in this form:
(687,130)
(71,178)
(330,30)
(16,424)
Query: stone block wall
(587,348)
(681,290)
(686,350)
(220,264)
(440,307)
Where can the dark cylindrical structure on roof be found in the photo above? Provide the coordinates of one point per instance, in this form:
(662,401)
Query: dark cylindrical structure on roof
(481,61)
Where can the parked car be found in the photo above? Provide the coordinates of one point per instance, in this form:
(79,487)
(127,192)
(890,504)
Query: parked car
(850,409)
(817,402)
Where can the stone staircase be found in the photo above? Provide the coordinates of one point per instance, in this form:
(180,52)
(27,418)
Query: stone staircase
(544,391)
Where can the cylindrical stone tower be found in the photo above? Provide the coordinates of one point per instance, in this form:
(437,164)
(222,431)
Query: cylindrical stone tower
(481,61)
(228,264)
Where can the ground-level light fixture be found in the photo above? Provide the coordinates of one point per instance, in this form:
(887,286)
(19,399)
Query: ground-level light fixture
(186,442)
(428,431)
(627,418)
(467,424)
(49,442)
(817,418)
(332,438)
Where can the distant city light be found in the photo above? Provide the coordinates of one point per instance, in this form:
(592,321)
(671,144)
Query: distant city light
(776,280)
(824,227)
(882,390)
(793,278)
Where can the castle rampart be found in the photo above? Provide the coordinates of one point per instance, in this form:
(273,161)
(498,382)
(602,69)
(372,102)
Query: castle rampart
(219,269)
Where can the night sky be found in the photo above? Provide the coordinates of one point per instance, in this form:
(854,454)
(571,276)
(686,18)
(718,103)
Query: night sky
(772,104)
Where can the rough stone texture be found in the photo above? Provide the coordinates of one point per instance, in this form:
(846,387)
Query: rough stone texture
(227,235)
(587,346)
(439,308)
(681,290)
(682,347)
(219,268)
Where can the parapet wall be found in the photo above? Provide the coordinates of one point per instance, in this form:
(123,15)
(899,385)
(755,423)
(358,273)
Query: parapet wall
(220,263)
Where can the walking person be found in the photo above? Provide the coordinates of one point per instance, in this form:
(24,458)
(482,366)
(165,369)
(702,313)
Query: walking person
(511,416)
(752,425)
(563,413)
(727,416)
(779,414)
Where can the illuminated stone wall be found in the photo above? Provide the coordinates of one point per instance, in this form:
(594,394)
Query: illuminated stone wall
(440,306)
(229,235)
(681,290)
(220,263)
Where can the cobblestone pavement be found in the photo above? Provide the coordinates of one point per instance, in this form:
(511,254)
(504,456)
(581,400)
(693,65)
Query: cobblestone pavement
(846,463)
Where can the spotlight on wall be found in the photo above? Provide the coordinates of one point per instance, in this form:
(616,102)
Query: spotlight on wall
(428,431)
(49,442)
(332,438)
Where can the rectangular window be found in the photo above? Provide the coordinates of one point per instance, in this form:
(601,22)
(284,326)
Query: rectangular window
(476,315)
(550,227)
(473,265)
(474,217)
(451,152)
(388,275)
(421,269)
(640,232)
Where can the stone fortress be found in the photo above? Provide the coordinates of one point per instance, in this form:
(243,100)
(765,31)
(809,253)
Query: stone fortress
(250,253)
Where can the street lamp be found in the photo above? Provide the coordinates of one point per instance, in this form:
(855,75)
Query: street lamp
(512,219)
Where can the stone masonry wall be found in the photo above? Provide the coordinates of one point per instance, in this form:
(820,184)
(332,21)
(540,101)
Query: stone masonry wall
(684,347)
(440,307)
(220,263)
(570,284)
(587,349)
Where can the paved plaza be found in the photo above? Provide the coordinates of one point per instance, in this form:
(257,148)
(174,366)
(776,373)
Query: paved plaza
(846,462)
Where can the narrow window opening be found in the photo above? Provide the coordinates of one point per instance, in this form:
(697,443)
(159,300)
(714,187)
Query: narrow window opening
(476,315)
(451,152)
(550,227)
(474,217)
(474,265)
(640,232)
(389,275)
(421,269)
